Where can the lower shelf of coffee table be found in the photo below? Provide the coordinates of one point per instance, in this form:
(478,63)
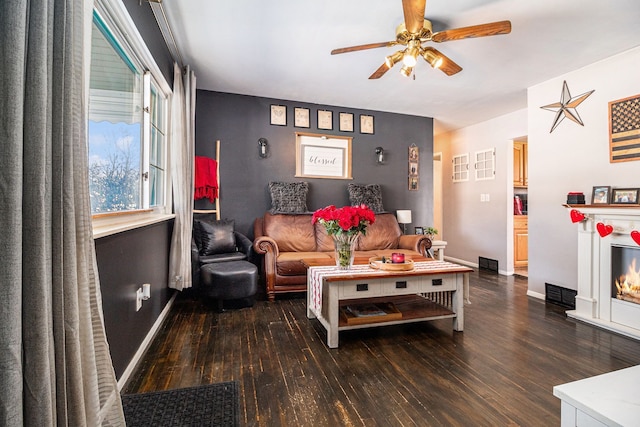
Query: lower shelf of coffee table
(411,307)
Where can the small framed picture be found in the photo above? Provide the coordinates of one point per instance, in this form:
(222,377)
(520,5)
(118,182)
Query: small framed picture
(418,230)
(413,168)
(413,153)
(346,122)
(624,196)
(301,117)
(601,195)
(325,119)
(413,183)
(279,115)
(366,124)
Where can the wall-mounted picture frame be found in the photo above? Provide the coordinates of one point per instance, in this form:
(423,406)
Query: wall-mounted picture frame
(413,183)
(278,115)
(624,196)
(600,195)
(366,124)
(345,124)
(413,153)
(325,119)
(623,130)
(418,230)
(301,117)
(323,156)
(413,168)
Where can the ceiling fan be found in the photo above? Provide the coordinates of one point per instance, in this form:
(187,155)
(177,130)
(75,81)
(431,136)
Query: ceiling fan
(414,31)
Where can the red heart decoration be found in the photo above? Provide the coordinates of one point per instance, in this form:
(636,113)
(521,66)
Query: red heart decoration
(576,216)
(635,235)
(604,230)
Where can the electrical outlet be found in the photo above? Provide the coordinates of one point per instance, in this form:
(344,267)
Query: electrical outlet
(139,298)
(146,291)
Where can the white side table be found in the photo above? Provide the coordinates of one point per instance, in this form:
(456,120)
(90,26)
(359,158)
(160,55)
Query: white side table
(439,245)
(610,399)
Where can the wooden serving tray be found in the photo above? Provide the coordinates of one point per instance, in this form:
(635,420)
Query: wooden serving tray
(375,262)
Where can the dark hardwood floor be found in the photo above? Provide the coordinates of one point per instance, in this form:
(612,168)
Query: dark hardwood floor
(499,372)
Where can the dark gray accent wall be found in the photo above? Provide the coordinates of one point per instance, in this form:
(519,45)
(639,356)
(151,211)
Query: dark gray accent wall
(238,121)
(126,261)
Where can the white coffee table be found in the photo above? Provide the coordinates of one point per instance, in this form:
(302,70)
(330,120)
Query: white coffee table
(432,290)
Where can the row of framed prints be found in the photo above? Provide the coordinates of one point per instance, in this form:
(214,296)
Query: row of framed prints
(301,119)
(605,195)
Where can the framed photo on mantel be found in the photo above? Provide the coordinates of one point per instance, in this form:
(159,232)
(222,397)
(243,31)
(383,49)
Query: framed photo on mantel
(601,195)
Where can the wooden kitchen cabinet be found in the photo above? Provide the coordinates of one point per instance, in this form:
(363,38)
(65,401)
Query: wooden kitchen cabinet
(520,240)
(520,178)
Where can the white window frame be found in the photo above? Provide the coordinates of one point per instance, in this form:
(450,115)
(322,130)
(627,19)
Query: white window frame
(115,15)
(460,167)
(485,164)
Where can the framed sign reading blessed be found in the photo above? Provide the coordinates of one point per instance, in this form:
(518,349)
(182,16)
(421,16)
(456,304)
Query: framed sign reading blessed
(323,156)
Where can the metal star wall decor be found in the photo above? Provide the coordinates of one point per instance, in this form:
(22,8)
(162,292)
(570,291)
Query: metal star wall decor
(567,107)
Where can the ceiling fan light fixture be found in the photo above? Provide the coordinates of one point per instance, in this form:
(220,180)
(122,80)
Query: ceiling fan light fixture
(434,60)
(406,71)
(410,57)
(392,60)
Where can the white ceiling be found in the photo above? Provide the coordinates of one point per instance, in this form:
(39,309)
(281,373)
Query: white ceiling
(281,49)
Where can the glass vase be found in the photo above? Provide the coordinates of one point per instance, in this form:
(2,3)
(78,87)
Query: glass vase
(344,250)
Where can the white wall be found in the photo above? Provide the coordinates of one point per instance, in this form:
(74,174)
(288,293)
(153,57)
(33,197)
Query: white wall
(572,158)
(473,228)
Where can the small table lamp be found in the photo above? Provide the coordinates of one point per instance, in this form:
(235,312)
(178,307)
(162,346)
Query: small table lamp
(404,217)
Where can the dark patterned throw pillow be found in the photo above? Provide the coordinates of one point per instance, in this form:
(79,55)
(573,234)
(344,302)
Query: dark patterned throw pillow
(367,194)
(288,197)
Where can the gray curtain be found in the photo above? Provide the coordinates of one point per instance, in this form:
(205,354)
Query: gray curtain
(183,107)
(55,367)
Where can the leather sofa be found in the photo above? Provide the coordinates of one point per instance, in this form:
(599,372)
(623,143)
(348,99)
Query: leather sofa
(287,240)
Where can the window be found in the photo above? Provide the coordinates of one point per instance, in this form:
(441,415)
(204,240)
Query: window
(485,164)
(127,125)
(461,167)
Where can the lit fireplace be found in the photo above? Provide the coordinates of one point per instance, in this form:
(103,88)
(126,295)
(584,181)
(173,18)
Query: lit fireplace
(603,261)
(625,274)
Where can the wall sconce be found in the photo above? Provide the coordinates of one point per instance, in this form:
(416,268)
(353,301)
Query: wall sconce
(404,217)
(379,155)
(263,148)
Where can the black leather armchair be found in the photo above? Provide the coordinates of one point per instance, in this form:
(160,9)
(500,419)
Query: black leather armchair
(216,241)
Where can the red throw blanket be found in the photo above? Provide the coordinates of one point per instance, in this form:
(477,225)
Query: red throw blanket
(206,179)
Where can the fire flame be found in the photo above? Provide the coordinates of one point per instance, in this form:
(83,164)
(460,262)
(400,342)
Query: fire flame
(629,285)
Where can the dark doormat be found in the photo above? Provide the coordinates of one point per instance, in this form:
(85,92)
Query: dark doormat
(207,405)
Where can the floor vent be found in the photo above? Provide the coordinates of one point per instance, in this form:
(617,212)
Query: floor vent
(561,296)
(488,264)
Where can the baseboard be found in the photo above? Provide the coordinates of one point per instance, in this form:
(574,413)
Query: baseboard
(474,265)
(145,343)
(534,294)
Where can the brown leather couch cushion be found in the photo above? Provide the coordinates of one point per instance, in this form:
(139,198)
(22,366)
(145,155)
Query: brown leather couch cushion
(293,233)
(384,233)
(324,242)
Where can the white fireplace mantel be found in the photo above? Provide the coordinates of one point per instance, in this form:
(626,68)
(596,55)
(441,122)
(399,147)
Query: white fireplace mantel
(594,304)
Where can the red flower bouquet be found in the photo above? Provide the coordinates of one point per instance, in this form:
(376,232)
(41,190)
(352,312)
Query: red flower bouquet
(349,220)
(344,225)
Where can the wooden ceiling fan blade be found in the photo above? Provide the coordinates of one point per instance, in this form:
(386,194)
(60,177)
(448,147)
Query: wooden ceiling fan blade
(413,14)
(482,30)
(448,66)
(380,71)
(363,47)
